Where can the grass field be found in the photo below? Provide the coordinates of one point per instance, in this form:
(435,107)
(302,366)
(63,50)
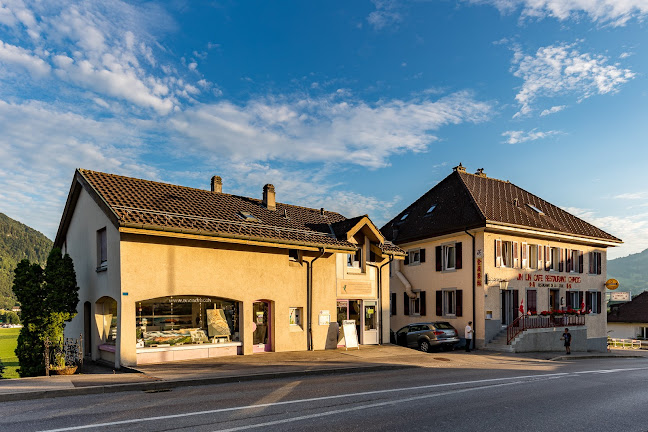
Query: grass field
(8,341)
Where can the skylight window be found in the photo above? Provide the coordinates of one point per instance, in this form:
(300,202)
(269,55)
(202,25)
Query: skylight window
(404,217)
(431,209)
(248,217)
(536,209)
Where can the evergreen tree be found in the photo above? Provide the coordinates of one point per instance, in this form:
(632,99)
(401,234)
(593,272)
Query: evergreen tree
(49,299)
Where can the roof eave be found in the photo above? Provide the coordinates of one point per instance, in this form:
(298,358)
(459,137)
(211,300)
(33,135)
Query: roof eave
(493,225)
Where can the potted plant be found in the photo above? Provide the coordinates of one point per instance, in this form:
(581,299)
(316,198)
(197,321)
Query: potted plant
(59,367)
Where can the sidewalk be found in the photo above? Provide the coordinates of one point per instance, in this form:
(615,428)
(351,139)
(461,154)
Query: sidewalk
(97,379)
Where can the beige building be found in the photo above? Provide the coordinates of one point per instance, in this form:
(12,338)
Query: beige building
(484,250)
(169,273)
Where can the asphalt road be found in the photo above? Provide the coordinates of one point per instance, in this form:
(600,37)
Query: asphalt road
(583,395)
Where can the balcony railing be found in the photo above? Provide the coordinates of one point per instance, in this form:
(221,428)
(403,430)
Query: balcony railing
(526,322)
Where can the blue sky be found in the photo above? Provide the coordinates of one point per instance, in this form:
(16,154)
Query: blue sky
(358,107)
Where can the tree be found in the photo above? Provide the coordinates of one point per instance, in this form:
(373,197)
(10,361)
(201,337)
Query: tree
(10,317)
(48,300)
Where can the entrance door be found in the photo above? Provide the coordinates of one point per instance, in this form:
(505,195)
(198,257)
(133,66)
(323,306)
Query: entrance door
(370,324)
(554,299)
(262,328)
(349,310)
(509,306)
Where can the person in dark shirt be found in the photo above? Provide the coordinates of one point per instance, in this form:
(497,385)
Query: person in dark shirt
(567,338)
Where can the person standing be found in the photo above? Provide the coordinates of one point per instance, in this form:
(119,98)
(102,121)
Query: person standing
(567,338)
(469,335)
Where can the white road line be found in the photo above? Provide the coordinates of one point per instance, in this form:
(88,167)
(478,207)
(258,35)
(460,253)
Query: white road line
(323,398)
(361,407)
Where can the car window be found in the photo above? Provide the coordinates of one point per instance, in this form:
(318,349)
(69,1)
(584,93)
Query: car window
(424,327)
(402,331)
(443,326)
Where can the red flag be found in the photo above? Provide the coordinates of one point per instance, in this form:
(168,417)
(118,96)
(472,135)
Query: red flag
(583,306)
(522,306)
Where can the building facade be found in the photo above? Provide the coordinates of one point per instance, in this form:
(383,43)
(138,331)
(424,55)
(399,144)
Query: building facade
(484,250)
(170,273)
(630,320)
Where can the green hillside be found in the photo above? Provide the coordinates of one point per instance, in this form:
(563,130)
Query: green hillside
(631,272)
(18,241)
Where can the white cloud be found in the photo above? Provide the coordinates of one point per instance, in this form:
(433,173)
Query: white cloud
(632,229)
(552,110)
(559,70)
(517,137)
(625,55)
(605,12)
(632,196)
(334,128)
(386,14)
(11,54)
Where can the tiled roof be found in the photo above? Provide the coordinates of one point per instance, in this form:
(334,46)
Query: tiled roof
(163,206)
(635,311)
(465,201)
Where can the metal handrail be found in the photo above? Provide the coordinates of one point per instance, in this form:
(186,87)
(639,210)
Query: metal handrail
(526,322)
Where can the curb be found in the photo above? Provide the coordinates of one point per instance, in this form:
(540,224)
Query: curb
(194,382)
(593,356)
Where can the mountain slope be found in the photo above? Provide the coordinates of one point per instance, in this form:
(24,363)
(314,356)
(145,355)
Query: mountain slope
(18,241)
(631,272)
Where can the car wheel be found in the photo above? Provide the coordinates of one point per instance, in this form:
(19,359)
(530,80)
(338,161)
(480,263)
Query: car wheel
(425,346)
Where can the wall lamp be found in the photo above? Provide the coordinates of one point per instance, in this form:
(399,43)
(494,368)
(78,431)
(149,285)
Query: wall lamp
(503,283)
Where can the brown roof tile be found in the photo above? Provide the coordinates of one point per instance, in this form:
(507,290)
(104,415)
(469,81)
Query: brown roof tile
(164,206)
(635,311)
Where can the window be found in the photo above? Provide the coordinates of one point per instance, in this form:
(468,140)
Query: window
(593,302)
(535,209)
(102,250)
(353,260)
(532,301)
(414,256)
(532,256)
(595,263)
(295,316)
(404,217)
(574,261)
(506,254)
(431,209)
(642,333)
(448,257)
(392,304)
(573,300)
(449,302)
(247,216)
(555,259)
(416,305)
(293,254)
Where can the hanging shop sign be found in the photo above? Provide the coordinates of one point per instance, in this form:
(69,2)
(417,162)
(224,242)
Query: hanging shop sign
(612,284)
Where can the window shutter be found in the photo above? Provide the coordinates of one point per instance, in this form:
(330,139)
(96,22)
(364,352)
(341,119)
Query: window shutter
(406,259)
(568,262)
(439,303)
(498,253)
(598,263)
(422,308)
(459,308)
(515,254)
(581,294)
(598,302)
(406,302)
(458,256)
(438,253)
(561,263)
(580,261)
(516,302)
(547,258)
(422,255)
(569,300)
(525,255)
(539,257)
(393,303)
(588,301)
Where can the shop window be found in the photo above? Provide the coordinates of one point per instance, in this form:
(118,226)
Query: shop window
(102,250)
(295,316)
(184,320)
(106,314)
(595,263)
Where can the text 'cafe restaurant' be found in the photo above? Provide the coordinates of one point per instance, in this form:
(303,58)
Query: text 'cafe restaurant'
(170,273)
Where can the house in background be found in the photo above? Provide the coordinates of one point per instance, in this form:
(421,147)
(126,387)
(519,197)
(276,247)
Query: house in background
(630,320)
(481,249)
(168,272)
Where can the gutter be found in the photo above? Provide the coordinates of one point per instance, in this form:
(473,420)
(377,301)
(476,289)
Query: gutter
(404,281)
(474,321)
(379,282)
(309,299)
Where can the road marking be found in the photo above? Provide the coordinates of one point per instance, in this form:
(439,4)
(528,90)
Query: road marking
(361,407)
(323,398)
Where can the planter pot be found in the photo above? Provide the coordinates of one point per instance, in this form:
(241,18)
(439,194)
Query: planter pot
(68,370)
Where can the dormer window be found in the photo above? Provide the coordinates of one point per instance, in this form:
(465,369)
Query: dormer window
(431,209)
(404,217)
(247,216)
(535,209)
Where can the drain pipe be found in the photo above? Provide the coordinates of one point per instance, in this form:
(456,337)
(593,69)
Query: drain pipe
(473,291)
(309,299)
(379,283)
(404,281)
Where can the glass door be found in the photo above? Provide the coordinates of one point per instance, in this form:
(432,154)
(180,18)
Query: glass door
(342,314)
(370,323)
(261,326)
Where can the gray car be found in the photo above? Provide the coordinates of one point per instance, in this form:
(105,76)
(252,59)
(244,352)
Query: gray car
(426,336)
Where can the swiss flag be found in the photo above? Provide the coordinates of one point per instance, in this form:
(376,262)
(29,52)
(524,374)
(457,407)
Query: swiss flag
(583,306)
(522,306)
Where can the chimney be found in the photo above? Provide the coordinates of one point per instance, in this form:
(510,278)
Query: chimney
(322,211)
(480,172)
(269,197)
(516,202)
(459,168)
(216,184)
